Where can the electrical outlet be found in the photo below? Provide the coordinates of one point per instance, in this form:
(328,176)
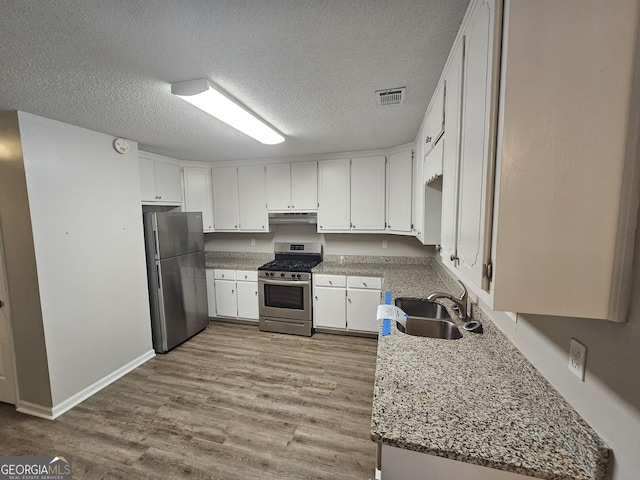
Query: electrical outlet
(577,358)
(253,241)
(384,244)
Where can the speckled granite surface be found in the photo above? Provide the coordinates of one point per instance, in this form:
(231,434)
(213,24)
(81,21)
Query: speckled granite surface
(476,399)
(236,260)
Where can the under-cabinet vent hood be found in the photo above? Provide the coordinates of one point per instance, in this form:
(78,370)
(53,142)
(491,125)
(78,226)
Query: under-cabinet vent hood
(291,217)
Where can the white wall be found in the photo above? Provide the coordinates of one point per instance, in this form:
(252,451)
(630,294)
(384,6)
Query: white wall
(609,398)
(84,200)
(334,244)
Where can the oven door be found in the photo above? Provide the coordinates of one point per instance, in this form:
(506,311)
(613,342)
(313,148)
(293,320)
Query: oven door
(287,299)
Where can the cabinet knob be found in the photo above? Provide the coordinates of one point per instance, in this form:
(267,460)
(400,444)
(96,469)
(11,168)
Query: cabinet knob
(428,140)
(316,297)
(330,282)
(453,258)
(364,284)
(293,206)
(349,300)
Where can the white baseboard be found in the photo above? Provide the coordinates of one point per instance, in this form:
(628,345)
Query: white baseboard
(51,413)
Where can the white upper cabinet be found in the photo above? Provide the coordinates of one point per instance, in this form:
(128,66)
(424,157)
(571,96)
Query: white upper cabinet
(368,194)
(334,195)
(304,186)
(198,194)
(475,141)
(434,123)
(451,154)
(567,163)
(160,180)
(279,187)
(399,192)
(239,199)
(292,187)
(252,200)
(538,211)
(225,198)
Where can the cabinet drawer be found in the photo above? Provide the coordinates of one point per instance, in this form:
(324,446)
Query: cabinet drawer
(247,275)
(373,283)
(224,274)
(330,280)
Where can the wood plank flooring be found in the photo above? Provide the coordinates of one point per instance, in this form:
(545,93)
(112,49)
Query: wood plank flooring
(232,403)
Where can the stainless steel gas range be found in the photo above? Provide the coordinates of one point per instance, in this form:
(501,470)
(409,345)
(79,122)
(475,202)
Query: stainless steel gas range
(284,289)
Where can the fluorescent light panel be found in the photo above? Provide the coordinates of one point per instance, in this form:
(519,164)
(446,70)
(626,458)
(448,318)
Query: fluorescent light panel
(201,94)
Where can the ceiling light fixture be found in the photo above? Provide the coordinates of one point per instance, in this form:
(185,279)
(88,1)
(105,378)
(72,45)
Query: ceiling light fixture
(203,95)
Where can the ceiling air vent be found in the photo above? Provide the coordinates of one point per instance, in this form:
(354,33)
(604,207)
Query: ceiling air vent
(393,96)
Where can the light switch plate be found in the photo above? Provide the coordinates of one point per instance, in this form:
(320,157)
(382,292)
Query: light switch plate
(577,358)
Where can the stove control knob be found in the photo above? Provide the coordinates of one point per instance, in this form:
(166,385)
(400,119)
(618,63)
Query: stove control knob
(282,274)
(298,275)
(271,274)
(293,275)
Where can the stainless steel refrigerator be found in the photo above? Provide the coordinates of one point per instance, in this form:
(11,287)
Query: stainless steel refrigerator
(177,283)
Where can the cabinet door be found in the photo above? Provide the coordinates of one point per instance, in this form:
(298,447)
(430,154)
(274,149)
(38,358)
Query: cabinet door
(211,292)
(450,156)
(417,201)
(252,199)
(279,187)
(329,309)
(247,300)
(304,186)
(368,193)
(198,195)
(434,124)
(147,180)
(168,182)
(226,305)
(399,192)
(334,193)
(474,155)
(225,198)
(362,310)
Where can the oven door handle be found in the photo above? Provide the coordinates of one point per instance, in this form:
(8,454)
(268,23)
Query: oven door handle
(285,283)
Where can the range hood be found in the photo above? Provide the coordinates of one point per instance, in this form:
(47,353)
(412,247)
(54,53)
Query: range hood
(287,218)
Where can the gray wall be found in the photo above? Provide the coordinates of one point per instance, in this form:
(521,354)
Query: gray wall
(74,249)
(22,278)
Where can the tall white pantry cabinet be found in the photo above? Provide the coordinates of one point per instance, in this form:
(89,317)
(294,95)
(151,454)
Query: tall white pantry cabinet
(544,186)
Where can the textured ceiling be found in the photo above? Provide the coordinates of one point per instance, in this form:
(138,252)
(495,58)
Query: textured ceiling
(309,67)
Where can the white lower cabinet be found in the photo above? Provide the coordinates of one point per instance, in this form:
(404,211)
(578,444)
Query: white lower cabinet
(400,464)
(363,298)
(346,303)
(330,301)
(211,292)
(236,294)
(225,288)
(247,294)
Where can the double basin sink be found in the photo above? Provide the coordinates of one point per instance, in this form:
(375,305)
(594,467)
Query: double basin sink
(427,319)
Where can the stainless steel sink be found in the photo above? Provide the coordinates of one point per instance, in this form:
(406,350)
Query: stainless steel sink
(427,319)
(430,327)
(420,307)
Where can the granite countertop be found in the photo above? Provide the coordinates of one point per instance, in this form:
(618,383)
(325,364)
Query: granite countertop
(476,399)
(236,260)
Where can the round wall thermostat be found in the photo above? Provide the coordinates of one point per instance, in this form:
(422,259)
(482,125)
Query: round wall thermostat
(121,145)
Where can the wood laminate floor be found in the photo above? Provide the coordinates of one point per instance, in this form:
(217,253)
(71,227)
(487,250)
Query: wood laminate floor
(232,403)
